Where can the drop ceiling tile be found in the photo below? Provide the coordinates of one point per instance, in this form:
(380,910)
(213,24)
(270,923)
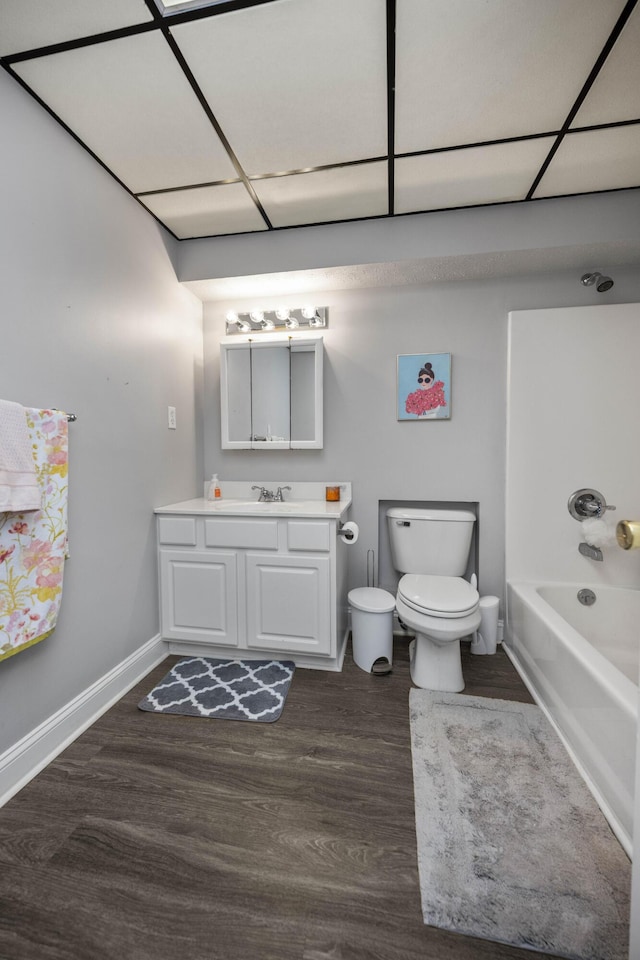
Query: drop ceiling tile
(206,211)
(129,102)
(294,83)
(460,178)
(615,94)
(594,160)
(470,71)
(29,24)
(344,193)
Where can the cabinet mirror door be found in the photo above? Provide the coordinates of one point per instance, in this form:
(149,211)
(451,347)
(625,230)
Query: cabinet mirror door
(271,394)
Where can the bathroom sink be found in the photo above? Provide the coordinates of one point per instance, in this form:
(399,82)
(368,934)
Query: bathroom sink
(244,506)
(268,508)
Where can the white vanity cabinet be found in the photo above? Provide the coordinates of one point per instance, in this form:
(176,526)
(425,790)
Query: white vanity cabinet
(269,585)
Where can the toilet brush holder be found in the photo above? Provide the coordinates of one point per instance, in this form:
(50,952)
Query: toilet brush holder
(485,639)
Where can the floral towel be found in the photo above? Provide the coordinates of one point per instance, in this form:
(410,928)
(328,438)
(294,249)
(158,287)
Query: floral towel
(19,488)
(33,545)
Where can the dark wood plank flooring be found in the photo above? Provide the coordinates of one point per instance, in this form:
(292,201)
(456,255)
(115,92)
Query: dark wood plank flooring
(162,838)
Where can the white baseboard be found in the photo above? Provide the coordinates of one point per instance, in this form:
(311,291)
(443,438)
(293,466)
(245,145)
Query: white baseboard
(26,758)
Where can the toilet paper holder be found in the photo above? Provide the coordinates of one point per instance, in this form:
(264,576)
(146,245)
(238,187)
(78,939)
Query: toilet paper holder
(585,504)
(346,532)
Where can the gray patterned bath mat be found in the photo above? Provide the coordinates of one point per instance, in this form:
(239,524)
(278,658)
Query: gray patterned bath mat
(224,689)
(512,847)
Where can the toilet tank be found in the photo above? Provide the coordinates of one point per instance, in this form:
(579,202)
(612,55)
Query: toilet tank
(434,542)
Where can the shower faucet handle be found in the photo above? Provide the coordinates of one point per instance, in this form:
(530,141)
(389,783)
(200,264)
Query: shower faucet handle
(587,503)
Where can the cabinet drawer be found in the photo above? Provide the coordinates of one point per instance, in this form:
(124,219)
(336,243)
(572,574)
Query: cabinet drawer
(234,532)
(307,535)
(178,530)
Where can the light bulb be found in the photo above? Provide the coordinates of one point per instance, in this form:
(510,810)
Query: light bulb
(316,321)
(257,316)
(308,312)
(232,317)
(267,324)
(283,313)
(244,326)
(291,323)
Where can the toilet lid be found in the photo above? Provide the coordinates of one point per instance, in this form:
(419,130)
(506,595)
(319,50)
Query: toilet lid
(441,596)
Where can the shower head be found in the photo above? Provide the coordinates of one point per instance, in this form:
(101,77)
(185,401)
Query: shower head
(602,283)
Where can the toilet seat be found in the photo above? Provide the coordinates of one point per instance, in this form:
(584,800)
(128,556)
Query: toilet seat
(448,597)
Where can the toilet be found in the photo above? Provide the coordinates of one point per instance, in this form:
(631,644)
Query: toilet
(431,548)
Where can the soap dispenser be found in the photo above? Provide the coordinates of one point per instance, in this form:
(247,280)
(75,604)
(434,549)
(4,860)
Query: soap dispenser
(215,493)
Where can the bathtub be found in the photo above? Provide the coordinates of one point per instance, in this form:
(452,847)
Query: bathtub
(580,663)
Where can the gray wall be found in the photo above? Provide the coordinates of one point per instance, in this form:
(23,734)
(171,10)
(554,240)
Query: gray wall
(461,459)
(93,322)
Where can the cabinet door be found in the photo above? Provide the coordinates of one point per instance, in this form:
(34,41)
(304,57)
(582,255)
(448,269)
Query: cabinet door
(199,596)
(289,603)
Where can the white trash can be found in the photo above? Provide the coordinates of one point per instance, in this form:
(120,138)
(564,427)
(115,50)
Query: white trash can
(486,638)
(371,626)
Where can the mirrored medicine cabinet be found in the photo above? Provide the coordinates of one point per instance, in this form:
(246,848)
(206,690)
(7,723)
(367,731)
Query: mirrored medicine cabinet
(271,393)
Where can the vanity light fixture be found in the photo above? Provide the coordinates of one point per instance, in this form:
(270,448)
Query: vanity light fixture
(233,320)
(284,314)
(284,318)
(311,314)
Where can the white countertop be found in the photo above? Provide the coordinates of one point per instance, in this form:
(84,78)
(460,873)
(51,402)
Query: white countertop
(304,500)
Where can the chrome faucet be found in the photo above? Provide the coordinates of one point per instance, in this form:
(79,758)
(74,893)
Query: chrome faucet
(586,503)
(266,496)
(594,553)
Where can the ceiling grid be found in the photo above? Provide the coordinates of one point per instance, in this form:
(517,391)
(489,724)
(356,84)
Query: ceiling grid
(259,115)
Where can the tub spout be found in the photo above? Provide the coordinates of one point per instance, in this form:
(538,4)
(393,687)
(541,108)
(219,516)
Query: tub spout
(594,553)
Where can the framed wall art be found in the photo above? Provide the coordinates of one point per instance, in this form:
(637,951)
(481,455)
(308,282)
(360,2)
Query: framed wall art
(424,386)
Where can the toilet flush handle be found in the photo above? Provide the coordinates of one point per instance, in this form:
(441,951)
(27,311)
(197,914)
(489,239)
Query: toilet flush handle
(403,523)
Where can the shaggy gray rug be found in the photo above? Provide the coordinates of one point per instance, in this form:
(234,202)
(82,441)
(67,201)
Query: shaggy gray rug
(512,847)
(224,689)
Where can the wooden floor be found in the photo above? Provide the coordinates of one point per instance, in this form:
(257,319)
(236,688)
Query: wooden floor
(174,838)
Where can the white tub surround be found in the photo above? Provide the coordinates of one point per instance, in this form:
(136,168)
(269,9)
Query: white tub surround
(239,577)
(577,437)
(580,664)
